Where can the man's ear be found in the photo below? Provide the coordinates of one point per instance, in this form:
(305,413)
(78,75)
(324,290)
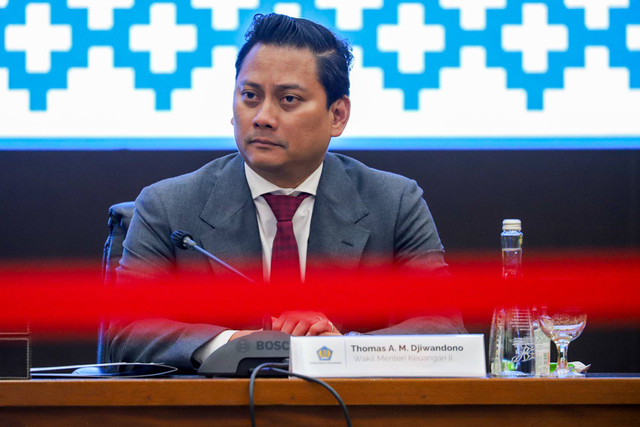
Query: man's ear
(340,111)
(232,121)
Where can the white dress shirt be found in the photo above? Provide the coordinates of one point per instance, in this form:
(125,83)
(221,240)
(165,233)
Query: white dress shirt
(267,223)
(267,226)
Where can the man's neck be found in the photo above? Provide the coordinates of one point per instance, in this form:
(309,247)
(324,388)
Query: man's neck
(284,181)
(259,185)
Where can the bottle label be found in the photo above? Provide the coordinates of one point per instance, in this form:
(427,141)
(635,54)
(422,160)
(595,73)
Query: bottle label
(543,352)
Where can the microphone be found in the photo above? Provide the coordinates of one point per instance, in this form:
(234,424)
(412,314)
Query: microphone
(238,359)
(184,240)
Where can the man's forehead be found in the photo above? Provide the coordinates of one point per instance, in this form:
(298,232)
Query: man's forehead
(293,76)
(291,52)
(292,48)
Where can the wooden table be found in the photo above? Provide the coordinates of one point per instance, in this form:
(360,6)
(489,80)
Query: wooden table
(372,402)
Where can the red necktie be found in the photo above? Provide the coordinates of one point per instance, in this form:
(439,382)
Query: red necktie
(285,259)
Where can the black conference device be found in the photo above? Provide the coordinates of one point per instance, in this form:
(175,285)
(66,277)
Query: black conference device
(238,358)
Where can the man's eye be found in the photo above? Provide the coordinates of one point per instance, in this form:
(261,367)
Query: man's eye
(248,95)
(289,99)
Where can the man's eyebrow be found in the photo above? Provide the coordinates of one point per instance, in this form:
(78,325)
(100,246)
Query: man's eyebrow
(280,87)
(291,86)
(251,84)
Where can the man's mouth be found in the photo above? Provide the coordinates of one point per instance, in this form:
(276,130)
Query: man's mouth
(264,142)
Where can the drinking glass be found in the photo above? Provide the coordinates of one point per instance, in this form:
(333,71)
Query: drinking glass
(518,354)
(563,326)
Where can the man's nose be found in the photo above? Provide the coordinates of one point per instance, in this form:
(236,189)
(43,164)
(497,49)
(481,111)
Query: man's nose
(266,116)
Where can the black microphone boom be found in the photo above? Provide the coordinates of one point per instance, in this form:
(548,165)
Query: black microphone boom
(184,240)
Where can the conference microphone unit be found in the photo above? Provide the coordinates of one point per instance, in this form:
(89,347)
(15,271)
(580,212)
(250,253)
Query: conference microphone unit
(238,358)
(184,240)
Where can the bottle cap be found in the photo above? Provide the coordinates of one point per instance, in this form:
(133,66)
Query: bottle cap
(512,224)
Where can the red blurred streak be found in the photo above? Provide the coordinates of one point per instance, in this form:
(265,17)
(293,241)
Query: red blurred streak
(71,298)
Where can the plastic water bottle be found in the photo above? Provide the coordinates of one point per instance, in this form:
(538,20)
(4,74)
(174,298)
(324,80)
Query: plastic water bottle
(511,344)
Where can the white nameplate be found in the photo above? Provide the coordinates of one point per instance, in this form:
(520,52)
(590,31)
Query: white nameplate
(389,356)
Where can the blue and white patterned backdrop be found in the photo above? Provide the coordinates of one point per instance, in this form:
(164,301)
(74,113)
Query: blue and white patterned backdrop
(429,74)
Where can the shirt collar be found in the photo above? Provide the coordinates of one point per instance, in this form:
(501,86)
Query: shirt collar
(259,186)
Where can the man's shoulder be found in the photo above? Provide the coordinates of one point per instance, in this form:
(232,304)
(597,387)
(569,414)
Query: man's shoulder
(204,177)
(193,189)
(364,175)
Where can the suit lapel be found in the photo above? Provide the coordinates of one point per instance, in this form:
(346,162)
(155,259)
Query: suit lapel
(230,211)
(335,232)
(234,237)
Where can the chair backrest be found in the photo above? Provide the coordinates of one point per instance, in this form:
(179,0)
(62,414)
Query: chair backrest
(119,219)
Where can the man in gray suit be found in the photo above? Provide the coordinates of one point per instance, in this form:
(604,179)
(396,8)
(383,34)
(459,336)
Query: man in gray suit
(291,97)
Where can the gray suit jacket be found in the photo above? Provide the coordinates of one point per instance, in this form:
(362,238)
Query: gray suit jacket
(360,215)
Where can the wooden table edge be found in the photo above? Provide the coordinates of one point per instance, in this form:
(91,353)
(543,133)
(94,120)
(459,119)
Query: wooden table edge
(278,391)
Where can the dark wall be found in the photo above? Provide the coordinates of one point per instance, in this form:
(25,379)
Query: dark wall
(54,204)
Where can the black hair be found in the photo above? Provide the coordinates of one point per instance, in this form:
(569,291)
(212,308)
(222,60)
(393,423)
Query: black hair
(333,54)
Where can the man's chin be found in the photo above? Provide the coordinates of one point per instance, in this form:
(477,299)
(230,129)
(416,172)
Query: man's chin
(262,164)
(264,157)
